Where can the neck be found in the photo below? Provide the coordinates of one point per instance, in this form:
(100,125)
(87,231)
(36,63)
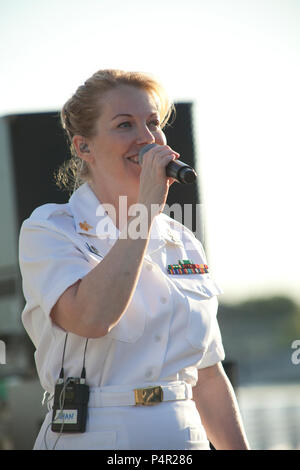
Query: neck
(117,203)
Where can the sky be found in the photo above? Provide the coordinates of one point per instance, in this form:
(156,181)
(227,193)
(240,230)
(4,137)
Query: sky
(238,61)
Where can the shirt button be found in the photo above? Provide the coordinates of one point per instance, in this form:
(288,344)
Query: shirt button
(163,300)
(157,338)
(149,267)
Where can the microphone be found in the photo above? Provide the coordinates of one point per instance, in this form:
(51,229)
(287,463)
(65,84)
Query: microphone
(176,169)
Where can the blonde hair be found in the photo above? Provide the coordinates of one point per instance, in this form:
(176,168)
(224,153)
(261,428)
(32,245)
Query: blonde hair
(80,113)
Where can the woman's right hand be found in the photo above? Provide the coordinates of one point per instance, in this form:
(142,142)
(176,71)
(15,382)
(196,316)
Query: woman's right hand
(154,184)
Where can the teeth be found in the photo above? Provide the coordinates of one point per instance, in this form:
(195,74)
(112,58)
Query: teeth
(134,160)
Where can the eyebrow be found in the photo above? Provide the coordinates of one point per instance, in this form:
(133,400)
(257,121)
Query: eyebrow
(130,115)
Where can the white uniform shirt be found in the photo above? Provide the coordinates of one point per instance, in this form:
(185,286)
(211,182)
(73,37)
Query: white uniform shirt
(169,329)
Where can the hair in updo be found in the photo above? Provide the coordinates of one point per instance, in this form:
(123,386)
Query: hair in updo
(80,113)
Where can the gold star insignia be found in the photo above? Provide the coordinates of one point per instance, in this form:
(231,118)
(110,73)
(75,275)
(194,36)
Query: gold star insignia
(85,226)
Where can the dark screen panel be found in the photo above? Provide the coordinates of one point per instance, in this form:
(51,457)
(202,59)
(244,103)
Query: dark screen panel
(38,147)
(180,137)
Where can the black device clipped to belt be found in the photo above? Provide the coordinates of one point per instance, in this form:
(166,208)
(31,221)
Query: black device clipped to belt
(70,401)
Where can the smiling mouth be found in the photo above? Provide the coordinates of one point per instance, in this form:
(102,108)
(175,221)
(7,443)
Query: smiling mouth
(134,159)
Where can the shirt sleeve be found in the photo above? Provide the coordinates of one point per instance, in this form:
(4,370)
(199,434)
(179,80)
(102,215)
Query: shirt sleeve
(49,262)
(215,351)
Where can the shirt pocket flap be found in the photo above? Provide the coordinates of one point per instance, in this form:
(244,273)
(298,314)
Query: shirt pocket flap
(201,286)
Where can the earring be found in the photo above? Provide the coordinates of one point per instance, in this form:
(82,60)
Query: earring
(84,148)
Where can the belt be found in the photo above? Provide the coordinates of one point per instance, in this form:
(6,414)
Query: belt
(150,395)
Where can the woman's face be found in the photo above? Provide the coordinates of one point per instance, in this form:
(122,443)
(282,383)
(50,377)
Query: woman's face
(129,120)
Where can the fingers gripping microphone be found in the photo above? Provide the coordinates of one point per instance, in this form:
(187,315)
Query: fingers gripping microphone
(176,169)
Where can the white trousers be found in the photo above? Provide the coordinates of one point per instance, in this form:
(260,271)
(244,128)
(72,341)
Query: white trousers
(170,425)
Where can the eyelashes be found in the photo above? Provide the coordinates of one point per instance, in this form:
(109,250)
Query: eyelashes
(128,124)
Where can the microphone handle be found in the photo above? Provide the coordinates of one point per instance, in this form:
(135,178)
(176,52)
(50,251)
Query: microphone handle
(181,172)
(176,169)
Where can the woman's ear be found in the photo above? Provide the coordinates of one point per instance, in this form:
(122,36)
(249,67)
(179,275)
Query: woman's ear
(82,148)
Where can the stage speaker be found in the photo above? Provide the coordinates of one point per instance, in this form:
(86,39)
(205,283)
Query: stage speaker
(180,136)
(38,146)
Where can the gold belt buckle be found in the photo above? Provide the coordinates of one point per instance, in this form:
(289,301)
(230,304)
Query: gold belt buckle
(148,395)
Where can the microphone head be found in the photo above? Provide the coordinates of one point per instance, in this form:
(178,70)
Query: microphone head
(143,151)
(187,175)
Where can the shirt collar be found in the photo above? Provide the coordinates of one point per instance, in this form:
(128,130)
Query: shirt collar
(91,219)
(89,214)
